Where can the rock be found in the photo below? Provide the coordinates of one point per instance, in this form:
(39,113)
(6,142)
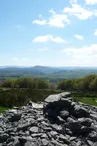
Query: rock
(3,137)
(70,120)
(80,112)
(16,142)
(56,122)
(53,133)
(53,98)
(45,142)
(57,128)
(29,143)
(95,144)
(60,120)
(68,131)
(72,138)
(75,127)
(93,136)
(54,104)
(85,121)
(24,126)
(44,135)
(66,95)
(10,140)
(79,143)
(73,143)
(14,117)
(93,116)
(64,138)
(36,134)
(85,129)
(90,143)
(33,129)
(64,114)
(37,106)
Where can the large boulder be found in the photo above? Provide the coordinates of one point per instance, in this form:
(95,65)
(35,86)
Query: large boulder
(53,104)
(80,111)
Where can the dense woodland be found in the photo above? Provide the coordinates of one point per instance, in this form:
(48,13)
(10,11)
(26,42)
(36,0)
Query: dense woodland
(26,82)
(88,83)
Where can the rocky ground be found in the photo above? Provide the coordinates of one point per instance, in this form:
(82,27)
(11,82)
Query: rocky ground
(57,122)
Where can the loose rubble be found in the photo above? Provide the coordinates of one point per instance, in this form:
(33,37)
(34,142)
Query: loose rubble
(58,121)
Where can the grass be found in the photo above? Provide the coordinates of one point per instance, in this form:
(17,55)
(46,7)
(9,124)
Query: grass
(86,100)
(2,109)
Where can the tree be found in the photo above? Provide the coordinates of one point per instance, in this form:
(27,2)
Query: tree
(93,85)
(25,82)
(7,84)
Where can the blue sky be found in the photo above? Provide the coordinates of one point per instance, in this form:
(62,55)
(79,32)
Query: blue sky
(50,33)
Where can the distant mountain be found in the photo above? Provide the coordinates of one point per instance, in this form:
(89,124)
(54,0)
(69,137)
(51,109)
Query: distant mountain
(20,71)
(49,73)
(42,69)
(46,69)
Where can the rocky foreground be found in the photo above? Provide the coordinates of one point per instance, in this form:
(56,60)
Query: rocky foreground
(57,122)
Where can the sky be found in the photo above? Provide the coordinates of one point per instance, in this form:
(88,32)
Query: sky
(48,32)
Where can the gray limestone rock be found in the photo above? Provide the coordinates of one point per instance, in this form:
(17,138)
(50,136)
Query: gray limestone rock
(64,114)
(33,129)
(56,122)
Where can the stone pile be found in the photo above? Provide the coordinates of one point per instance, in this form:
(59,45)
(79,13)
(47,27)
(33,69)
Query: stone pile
(57,122)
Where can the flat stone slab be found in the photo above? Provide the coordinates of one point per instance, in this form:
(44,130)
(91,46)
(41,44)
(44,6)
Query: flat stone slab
(57,97)
(53,98)
(37,106)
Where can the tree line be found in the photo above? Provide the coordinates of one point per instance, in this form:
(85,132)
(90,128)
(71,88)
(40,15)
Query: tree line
(26,82)
(88,83)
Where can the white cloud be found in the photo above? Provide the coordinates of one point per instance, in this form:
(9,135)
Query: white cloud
(78,36)
(40,22)
(84,56)
(46,38)
(91,2)
(83,51)
(56,20)
(95,32)
(80,12)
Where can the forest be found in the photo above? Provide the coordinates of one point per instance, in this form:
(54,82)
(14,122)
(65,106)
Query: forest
(88,83)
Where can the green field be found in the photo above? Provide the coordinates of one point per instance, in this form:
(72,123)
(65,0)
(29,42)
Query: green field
(86,100)
(2,109)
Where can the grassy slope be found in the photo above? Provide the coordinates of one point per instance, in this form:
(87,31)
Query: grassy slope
(2,109)
(87,100)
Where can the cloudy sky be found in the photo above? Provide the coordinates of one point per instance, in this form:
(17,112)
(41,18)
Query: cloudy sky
(48,32)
